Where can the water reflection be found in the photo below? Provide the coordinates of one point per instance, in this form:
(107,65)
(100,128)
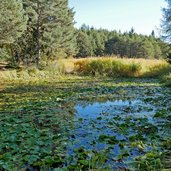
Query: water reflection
(118,127)
(100,126)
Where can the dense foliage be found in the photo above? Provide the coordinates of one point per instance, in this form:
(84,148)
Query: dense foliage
(166,22)
(12,21)
(50,31)
(44,30)
(12,24)
(99,42)
(166,25)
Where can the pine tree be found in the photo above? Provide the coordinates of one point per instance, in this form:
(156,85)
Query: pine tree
(84,45)
(12,21)
(147,49)
(50,27)
(111,46)
(99,42)
(153,33)
(166,27)
(166,22)
(157,51)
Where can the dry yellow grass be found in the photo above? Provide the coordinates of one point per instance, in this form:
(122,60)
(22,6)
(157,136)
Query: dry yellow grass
(148,67)
(146,63)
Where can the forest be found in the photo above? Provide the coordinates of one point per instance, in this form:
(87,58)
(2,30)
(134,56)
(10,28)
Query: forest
(82,99)
(35,31)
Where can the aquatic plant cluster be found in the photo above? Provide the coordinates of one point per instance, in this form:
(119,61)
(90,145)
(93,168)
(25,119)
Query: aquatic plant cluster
(85,123)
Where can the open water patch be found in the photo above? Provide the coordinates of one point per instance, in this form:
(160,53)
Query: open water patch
(119,130)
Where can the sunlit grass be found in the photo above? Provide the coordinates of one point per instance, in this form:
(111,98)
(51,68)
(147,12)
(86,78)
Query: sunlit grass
(97,67)
(113,66)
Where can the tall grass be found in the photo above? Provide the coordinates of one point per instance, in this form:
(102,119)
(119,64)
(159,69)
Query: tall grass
(116,67)
(166,79)
(52,70)
(107,67)
(102,66)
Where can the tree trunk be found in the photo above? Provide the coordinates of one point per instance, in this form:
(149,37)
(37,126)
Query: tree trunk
(38,57)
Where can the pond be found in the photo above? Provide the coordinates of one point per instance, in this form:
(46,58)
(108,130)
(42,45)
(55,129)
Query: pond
(84,125)
(113,134)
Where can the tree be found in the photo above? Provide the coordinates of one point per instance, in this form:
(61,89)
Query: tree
(131,32)
(100,42)
(97,39)
(166,25)
(147,49)
(84,45)
(12,21)
(157,51)
(50,29)
(153,33)
(166,22)
(111,46)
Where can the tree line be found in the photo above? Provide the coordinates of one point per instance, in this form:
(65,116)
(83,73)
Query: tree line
(101,42)
(35,30)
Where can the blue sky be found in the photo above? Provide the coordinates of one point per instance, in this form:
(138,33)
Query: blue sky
(143,15)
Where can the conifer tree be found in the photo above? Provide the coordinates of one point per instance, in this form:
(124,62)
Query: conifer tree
(50,27)
(84,45)
(12,21)
(166,22)
(166,27)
